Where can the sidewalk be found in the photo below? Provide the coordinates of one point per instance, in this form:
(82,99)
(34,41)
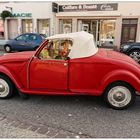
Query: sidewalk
(13,128)
(2,42)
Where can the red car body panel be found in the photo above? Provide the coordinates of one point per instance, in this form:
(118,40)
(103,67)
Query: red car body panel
(82,76)
(45,74)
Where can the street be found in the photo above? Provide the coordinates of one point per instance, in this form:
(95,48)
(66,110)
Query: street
(67,116)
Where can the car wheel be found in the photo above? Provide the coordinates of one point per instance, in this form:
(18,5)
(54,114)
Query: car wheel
(6,87)
(119,95)
(7,48)
(135,54)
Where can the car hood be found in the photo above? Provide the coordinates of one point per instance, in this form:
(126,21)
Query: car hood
(20,56)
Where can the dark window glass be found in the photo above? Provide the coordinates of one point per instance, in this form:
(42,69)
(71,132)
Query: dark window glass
(32,37)
(22,37)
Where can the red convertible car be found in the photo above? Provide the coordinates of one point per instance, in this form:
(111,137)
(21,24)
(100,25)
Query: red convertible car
(71,64)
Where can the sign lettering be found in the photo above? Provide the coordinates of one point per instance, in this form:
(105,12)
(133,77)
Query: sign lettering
(88,7)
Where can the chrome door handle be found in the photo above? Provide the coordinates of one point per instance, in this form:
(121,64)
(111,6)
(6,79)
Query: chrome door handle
(65,64)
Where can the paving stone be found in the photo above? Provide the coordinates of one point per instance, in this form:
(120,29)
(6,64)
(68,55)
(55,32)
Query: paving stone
(52,132)
(24,125)
(62,134)
(16,123)
(9,121)
(43,130)
(33,128)
(2,117)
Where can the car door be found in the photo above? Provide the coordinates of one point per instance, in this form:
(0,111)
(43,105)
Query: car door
(21,42)
(32,41)
(47,71)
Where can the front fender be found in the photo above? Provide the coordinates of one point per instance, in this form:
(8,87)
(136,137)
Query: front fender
(120,75)
(4,70)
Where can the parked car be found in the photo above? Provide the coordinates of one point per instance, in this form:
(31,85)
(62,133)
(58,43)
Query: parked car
(132,50)
(71,64)
(24,42)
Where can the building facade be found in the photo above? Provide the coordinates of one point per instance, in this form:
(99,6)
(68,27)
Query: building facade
(111,23)
(27,17)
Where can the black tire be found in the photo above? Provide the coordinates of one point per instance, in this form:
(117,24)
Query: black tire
(23,96)
(135,54)
(110,100)
(6,87)
(7,48)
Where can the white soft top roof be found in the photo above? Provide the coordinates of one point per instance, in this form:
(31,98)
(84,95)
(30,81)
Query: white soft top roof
(83,44)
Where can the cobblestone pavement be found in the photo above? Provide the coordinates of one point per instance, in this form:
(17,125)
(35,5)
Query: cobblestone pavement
(66,117)
(11,128)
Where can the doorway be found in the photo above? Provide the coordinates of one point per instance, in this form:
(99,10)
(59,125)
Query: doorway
(129,30)
(12,28)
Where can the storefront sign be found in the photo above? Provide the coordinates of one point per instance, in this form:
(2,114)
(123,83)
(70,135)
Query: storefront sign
(22,15)
(88,7)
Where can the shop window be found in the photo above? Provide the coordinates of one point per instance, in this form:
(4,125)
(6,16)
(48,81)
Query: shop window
(107,33)
(27,26)
(56,49)
(65,25)
(1,29)
(88,25)
(43,26)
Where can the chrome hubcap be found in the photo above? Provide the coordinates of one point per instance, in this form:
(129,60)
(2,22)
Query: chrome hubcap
(135,56)
(7,48)
(119,96)
(4,88)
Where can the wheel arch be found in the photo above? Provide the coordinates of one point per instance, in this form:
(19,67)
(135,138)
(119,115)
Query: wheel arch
(120,76)
(7,45)
(119,81)
(5,72)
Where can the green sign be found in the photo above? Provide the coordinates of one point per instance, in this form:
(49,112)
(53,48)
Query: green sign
(22,14)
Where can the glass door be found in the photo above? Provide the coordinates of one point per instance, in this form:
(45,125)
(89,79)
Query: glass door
(128,34)
(90,26)
(129,30)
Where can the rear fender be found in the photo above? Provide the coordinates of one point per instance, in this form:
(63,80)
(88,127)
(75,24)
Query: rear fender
(120,75)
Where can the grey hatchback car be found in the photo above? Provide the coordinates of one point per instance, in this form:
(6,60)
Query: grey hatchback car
(24,42)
